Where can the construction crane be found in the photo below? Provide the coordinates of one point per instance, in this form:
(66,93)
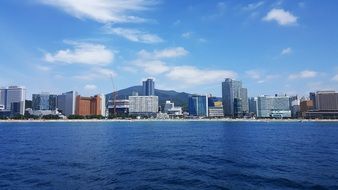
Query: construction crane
(114,94)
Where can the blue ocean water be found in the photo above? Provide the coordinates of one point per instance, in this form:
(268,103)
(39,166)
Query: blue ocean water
(169,155)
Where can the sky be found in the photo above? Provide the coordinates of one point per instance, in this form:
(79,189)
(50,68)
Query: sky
(273,47)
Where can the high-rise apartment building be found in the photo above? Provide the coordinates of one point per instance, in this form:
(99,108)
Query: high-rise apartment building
(273,106)
(143,105)
(149,87)
(88,105)
(66,103)
(13,99)
(253,107)
(44,101)
(235,98)
(198,105)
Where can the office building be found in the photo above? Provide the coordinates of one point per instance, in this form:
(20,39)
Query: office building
(253,107)
(88,105)
(313,99)
(13,99)
(244,100)
(325,105)
(273,107)
(305,106)
(326,100)
(66,103)
(143,105)
(235,98)
(44,101)
(198,105)
(149,87)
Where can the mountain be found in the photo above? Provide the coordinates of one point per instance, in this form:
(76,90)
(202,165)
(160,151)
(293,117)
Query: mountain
(179,98)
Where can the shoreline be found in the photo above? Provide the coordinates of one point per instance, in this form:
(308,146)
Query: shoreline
(168,120)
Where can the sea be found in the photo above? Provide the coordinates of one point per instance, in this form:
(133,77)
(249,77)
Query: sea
(169,155)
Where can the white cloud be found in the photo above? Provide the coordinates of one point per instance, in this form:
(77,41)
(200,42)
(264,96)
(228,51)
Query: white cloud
(43,68)
(82,53)
(286,51)
(90,87)
(165,53)
(190,75)
(281,16)
(134,35)
(152,66)
(253,6)
(303,74)
(186,35)
(104,11)
(335,78)
(96,73)
(253,74)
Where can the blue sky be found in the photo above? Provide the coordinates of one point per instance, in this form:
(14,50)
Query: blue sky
(272,46)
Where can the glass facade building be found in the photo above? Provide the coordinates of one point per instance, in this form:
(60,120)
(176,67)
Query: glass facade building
(149,87)
(44,101)
(234,98)
(198,105)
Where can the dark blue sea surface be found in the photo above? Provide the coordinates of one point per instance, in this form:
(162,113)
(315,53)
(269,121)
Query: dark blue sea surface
(169,155)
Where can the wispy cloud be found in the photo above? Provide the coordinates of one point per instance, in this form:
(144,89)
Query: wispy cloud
(154,63)
(134,35)
(104,11)
(303,75)
(186,35)
(82,53)
(253,6)
(154,67)
(90,87)
(96,73)
(219,12)
(253,74)
(335,78)
(190,75)
(165,53)
(43,68)
(260,76)
(286,51)
(282,17)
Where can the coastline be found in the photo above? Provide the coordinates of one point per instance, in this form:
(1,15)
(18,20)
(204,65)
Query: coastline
(169,120)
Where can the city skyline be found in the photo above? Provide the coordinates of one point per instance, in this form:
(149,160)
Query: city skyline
(272,47)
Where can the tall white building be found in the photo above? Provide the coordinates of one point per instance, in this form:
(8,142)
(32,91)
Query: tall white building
(143,105)
(13,99)
(273,106)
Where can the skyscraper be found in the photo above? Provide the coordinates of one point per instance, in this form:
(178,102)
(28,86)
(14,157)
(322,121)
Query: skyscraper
(44,101)
(13,97)
(198,105)
(235,98)
(149,87)
(253,106)
(66,103)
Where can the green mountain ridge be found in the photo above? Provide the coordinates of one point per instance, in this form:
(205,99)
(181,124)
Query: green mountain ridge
(179,98)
